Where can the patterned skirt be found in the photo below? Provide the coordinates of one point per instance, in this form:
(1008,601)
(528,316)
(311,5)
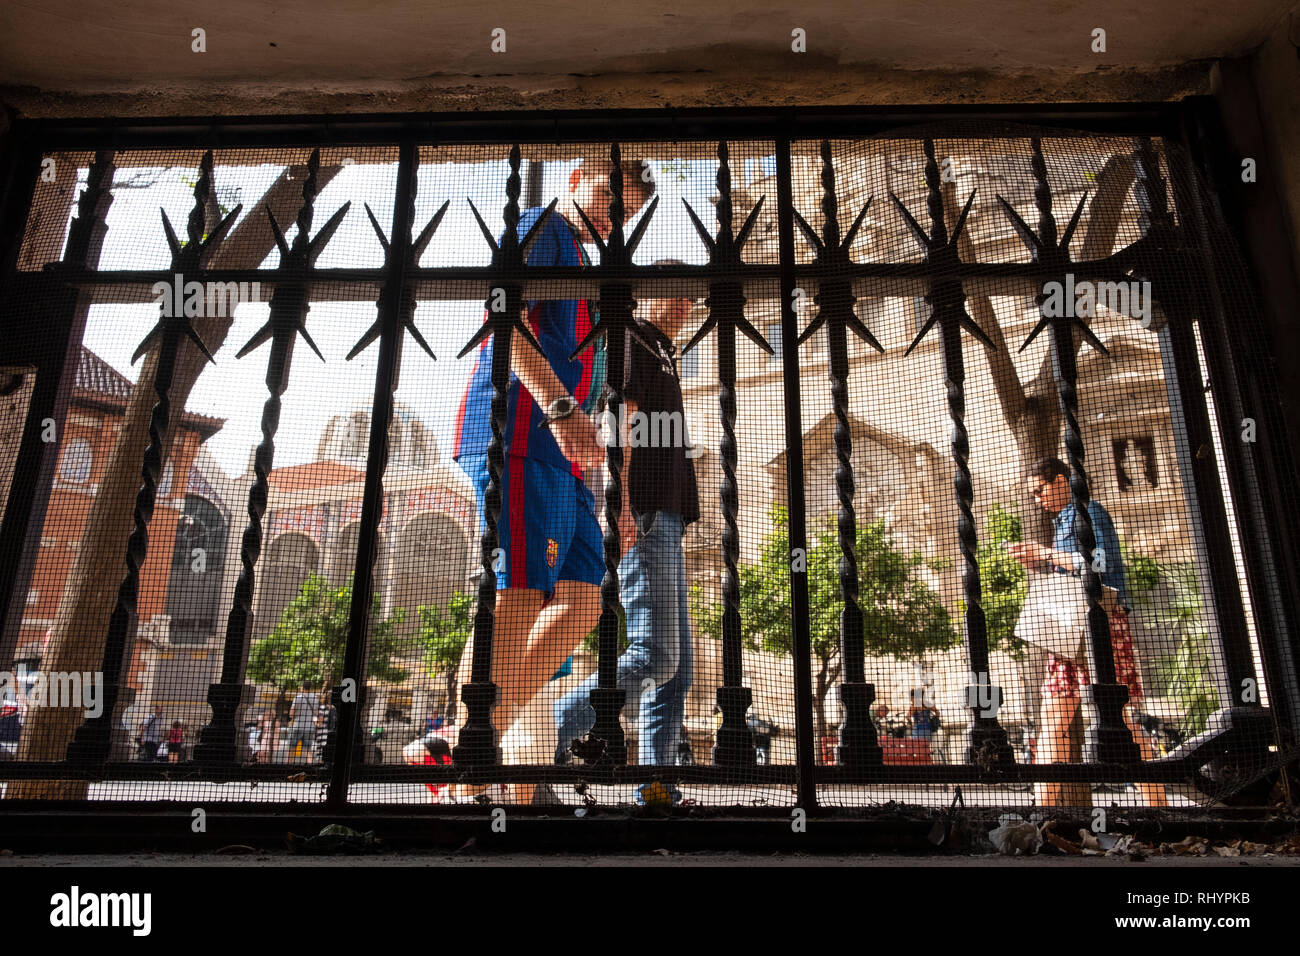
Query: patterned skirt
(1065,677)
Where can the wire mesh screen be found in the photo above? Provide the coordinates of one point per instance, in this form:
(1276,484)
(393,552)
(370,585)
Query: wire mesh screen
(461,476)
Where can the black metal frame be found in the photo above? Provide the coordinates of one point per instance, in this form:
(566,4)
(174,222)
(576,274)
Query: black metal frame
(726,280)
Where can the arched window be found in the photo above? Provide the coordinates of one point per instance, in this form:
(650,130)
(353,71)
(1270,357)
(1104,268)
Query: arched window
(78,459)
(198,559)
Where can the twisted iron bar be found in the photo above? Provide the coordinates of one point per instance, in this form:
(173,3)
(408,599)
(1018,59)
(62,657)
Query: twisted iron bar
(1107,740)
(606,743)
(288,312)
(726,301)
(858,742)
(477,744)
(91,742)
(989,746)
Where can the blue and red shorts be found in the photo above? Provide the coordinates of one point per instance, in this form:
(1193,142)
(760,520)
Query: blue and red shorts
(547,531)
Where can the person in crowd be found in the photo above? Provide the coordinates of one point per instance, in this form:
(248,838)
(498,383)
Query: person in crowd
(326,725)
(660,500)
(176,742)
(151,734)
(1065,677)
(302,722)
(550,570)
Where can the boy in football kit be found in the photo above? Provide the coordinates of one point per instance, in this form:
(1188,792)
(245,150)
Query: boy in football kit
(548,578)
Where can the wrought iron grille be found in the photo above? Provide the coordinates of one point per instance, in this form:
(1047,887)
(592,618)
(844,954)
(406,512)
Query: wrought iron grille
(847,614)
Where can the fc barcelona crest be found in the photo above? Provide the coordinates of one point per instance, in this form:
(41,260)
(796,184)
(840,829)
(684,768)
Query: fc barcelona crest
(552,552)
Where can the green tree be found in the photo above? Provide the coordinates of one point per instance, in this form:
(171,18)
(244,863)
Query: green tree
(591,643)
(1180,614)
(443,635)
(311,638)
(902,616)
(1003,581)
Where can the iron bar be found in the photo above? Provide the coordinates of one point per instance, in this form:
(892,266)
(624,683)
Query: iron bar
(1178,285)
(805,731)
(477,744)
(979,277)
(947,300)
(607,742)
(858,744)
(680,125)
(1107,738)
(90,745)
(288,315)
(390,327)
(735,741)
(59,328)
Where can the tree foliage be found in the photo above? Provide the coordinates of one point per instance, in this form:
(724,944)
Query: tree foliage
(1003,582)
(444,633)
(443,636)
(1168,596)
(903,617)
(310,639)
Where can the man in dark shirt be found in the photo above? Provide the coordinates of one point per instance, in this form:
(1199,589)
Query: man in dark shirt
(659,500)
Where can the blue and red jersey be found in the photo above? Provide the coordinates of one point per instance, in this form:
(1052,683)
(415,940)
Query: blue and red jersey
(559,325)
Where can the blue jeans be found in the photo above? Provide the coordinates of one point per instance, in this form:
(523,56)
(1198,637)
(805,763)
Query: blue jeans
(652,581)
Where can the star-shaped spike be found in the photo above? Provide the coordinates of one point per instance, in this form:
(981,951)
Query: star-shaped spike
(304,252)
(489,327)
(379,231)
(1074,223)
(601,330)
(742,325)
(206,246)
(1027,235)
(809,233)
(639,232)
(615,252)
(179,257)
(961,219)
(408,304)
(487,233)
(322,238)
(426,234)
(833,264)
(705,235)
(725,254)
(536,228)
(920,235)
(1058,255)
(155,334)
(857,224)
(929,324)
(1082,327)
(529,236)
(173,243)
(748,227)
(301,255)
(850,320)
(279,236)
(601,247)
(509,256)
(942,252)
